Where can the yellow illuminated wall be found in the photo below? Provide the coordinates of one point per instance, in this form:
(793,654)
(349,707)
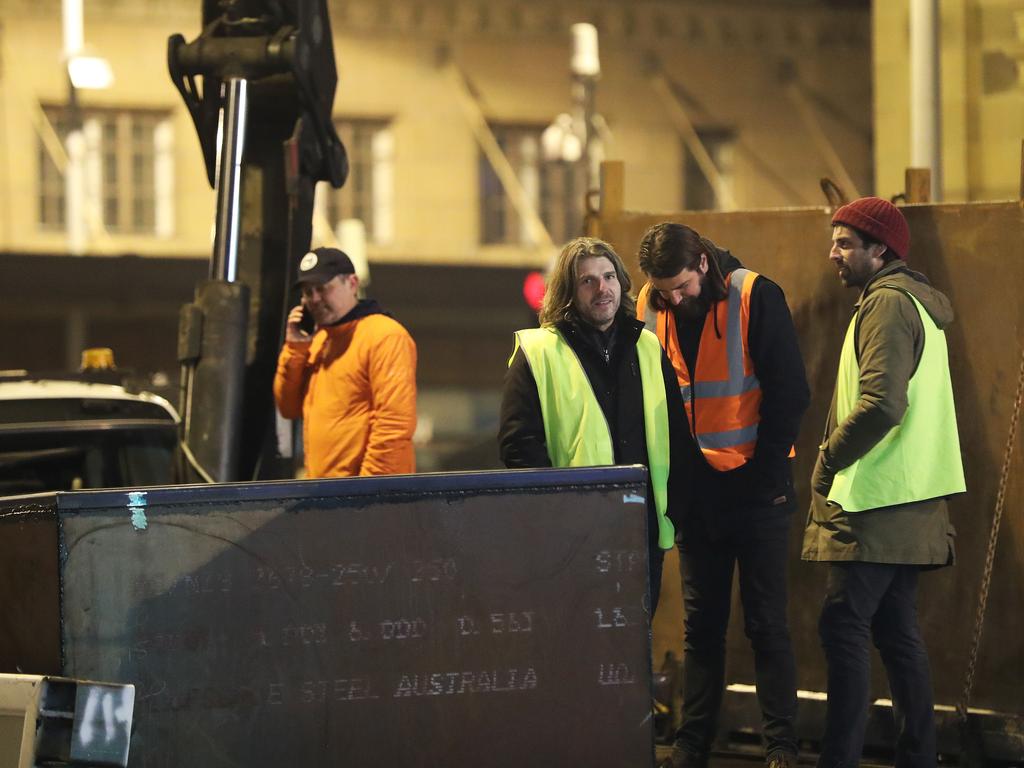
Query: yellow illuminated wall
(727,56)
(982,96)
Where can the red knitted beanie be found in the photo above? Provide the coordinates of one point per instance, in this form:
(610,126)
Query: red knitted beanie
(878,218)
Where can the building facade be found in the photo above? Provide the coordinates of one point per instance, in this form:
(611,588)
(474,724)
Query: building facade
(981,73)
(776,91)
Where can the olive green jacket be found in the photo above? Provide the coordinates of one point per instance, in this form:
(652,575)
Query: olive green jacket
(890,339)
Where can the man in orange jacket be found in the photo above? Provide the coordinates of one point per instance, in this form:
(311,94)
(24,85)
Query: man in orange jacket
(352,381)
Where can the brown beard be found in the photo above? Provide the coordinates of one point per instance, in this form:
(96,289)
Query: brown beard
(693,309)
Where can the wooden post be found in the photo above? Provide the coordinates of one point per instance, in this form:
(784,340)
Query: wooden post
(613,187)
(1022,171)
(918,183)
(610,198)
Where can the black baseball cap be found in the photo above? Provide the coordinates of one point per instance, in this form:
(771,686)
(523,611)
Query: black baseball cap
(321,264)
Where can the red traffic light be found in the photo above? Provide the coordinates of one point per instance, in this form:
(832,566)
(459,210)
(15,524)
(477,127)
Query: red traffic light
(533,290)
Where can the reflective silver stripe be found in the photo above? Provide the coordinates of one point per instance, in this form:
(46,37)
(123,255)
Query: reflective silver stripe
(728,439)
(650,314)
(729,388)
(737,382)
(733,334)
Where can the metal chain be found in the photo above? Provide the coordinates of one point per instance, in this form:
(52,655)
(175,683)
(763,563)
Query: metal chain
(990,555)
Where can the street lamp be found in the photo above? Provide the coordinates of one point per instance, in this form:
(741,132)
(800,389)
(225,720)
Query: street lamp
(83,72)
(586,69)
(574,137)
(90,73)
(560,142)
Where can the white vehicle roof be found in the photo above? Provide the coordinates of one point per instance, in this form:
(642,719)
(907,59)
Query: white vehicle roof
(56,389)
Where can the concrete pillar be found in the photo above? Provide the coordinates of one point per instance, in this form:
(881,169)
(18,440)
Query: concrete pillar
(74,339)
(925,99)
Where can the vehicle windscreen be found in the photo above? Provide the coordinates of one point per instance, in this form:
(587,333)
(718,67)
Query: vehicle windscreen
(54,460)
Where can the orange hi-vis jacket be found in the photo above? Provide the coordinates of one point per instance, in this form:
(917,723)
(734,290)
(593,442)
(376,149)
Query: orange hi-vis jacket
(723,398)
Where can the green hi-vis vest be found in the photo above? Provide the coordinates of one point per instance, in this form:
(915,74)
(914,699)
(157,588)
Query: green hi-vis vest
(919,458)
(575,427)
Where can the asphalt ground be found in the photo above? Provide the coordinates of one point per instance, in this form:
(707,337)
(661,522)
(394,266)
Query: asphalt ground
(750,761)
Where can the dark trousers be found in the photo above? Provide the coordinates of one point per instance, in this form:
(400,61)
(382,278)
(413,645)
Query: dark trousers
(655,555)
(655,563)
(865,602)
(758,544)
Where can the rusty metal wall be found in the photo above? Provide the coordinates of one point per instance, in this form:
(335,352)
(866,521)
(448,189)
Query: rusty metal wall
(29,587)
(974,253)
(492,618)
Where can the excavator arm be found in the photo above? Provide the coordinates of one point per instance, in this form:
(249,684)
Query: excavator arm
(259,84)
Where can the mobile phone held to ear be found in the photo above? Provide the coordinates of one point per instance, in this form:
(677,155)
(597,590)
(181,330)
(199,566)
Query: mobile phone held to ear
(307,325)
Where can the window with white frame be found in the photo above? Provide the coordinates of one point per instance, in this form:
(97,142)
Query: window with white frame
(369,191)
(556,188)
(698,193)
(126,158)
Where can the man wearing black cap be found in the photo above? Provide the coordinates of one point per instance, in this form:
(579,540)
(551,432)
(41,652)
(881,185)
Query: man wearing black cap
(889,460)
(352,381)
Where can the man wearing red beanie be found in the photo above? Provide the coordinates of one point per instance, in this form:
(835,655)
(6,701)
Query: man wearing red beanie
(888,463)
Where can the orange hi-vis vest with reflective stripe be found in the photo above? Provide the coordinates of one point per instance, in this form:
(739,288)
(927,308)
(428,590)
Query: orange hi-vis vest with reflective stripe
(723,400)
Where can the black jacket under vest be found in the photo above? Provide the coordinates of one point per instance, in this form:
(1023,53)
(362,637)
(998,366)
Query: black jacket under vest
(766,479)
(610,362)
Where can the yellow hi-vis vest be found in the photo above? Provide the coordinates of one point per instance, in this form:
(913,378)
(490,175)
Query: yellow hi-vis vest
(575,428)
(919,458)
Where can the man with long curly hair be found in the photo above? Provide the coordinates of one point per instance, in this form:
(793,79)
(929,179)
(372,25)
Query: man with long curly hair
(591,387)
